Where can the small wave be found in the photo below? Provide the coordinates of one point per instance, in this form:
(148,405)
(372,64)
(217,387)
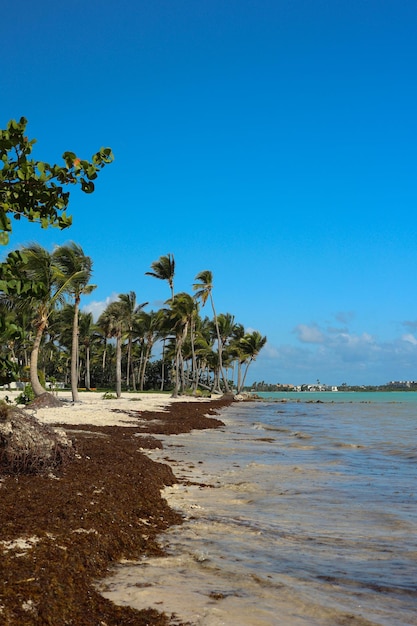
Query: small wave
(274,429)
(407,454)
(380,588)
(299,435)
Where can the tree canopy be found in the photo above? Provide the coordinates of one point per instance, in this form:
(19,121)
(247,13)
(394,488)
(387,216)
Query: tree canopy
(34,189)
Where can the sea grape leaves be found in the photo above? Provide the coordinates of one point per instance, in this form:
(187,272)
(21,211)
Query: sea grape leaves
(34,189)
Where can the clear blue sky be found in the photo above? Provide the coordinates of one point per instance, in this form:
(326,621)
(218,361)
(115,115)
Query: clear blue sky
(272,142)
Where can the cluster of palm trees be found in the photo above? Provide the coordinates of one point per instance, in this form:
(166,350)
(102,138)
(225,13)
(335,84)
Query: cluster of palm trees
(45,335)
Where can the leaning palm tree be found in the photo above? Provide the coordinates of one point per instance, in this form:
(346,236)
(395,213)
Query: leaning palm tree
(250,345)
(71,261)
(204,288)
(164,269)
(43,289)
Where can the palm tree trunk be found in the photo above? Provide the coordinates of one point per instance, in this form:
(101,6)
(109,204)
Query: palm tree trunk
(132,370)
(239,376)
(163,365)
(139,371)
(74,353)
(129,356)
(216,380)
(182,382)
(220,347)
(87,367)
(38,390)
(145,361)
(194,360)
(246,371)
(177,368)
(103,364)
(119,365)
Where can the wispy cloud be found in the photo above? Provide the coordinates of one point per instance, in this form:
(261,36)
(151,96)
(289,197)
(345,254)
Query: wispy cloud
(410,339)
(309,333)
(337,355)
(97,307)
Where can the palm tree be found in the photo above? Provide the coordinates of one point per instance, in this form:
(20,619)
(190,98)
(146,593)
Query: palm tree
(132,310)
(71,261)
(236,352)
(43,288)
(207,359)
(148,328)
(86,337)
(114,320)
(60,325)
(204,288)
(103,331)
(164,269)
(251,344)
(182,306)
(163,330)
(226,323)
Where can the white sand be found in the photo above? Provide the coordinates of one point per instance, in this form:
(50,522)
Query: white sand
(95,411)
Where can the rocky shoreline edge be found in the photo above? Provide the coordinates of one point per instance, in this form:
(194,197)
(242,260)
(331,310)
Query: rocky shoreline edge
(62,532)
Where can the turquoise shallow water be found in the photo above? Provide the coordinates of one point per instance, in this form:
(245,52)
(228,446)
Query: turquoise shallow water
(310,517)
(409,397)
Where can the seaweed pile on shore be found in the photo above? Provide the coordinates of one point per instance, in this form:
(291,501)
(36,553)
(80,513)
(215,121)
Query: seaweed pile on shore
(62,532)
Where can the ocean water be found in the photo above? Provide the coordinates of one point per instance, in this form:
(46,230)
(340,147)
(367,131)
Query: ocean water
(298,513)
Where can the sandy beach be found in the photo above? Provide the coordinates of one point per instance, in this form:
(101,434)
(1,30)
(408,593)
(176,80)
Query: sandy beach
(61,533)
(94,410)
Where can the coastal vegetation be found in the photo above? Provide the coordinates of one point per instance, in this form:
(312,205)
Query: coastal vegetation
(44,335)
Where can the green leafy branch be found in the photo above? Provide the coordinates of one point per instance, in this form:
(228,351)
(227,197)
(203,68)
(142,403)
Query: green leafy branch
(34,189)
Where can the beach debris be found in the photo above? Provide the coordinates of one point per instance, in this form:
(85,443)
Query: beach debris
(45,401)
(29,447)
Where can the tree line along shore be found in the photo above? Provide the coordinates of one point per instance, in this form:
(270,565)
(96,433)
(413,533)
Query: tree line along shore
(43,333)
(45,337)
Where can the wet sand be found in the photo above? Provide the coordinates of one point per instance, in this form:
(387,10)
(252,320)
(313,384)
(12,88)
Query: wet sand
(61,533)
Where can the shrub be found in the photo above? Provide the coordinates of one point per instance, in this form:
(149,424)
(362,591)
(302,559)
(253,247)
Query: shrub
(109,396)
(26,396)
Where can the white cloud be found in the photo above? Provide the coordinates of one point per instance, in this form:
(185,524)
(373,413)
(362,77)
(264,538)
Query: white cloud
(309,334)
(410,338)
(335,356)
(97,307)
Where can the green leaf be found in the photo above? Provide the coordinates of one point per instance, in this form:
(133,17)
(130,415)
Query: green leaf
(87,186)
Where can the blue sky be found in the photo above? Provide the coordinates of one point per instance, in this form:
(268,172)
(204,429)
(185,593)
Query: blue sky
(272,142)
